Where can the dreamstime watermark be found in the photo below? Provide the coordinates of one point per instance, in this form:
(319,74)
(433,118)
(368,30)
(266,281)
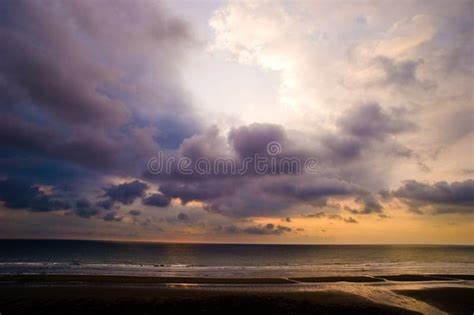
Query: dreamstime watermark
(271,163)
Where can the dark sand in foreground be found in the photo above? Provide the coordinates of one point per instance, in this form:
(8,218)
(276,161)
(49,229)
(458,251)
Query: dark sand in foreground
(76,294)
(129,300)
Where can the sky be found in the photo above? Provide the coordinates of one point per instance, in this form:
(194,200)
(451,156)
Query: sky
(310,122)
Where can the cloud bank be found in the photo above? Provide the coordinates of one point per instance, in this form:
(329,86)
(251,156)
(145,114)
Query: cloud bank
(89,92)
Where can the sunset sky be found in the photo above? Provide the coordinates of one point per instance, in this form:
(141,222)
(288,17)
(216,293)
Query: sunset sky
(379,93)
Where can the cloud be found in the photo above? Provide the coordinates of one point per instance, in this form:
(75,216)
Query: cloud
(250,140)
(369,121)
(182,216)
(134,213)
(74,92)
(320,188)
(126,193)
(369,205)
(85,209)
(89,92)
(266,229)
(157,200)
(443,197)
(401,73)
(274,190)
(340,218)
(19,193)
(315,215)
(319,215)
(112,217)
(83,99)
(106,204)
(380,53)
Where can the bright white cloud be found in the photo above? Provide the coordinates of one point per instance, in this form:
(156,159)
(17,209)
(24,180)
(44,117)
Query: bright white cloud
(413,56)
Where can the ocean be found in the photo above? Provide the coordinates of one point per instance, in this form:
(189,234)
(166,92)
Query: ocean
(229,260)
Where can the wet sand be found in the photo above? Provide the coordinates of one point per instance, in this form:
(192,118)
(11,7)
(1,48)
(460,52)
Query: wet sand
(416,277)
(451,300)
(338,279)
(80,294)
(229,280)
(136,280)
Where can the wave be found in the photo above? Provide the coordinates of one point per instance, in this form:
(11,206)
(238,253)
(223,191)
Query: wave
(324,269)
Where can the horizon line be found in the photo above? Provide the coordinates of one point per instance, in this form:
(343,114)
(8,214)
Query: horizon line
(233,243)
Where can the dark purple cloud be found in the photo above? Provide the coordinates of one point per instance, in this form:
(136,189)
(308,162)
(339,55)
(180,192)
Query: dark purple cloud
(134,213)
(266,229)
(126,193)
(455,197)
(370,204)
(365,132)
(76,82)
(112,217)
(157,200)
(182,216)
(369,121)
(81,97)
(319,188)
(197,190)
(20,193)
(17,193)
(85,209)
(106,204)
(249,140)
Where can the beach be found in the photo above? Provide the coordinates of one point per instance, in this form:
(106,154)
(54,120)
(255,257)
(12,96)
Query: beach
(97,277)
(56,294)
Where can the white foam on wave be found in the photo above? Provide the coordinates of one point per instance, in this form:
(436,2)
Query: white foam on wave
(121,268)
